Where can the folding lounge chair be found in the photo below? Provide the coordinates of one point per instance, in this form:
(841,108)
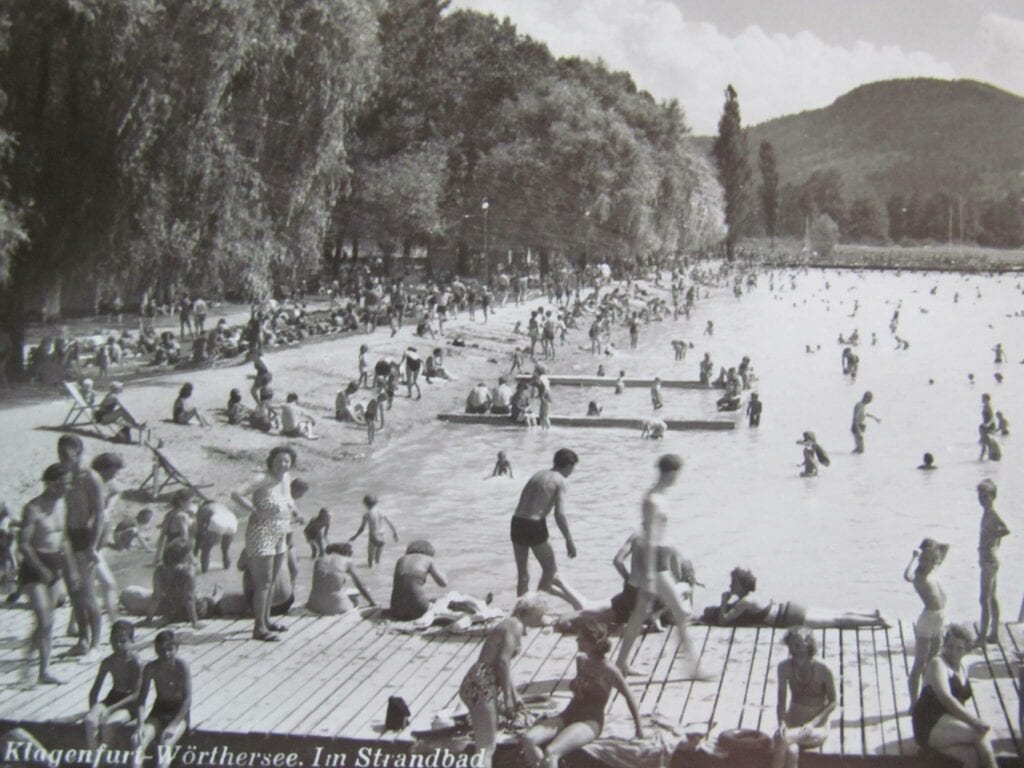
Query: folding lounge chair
(172,477)
(82,414)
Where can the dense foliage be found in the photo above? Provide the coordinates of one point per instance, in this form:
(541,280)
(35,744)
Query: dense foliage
(239,147)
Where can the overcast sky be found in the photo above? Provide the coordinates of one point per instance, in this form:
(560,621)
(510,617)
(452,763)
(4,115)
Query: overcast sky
(782,56)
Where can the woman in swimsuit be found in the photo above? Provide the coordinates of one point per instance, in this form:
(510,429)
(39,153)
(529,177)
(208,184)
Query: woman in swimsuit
(582,721)
(268,500)
(737,607)
(804,723)
(941,719)
(408,599)
(488,688)
(928,627)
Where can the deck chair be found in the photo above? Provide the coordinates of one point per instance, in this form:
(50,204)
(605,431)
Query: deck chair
(172,477)
(82,414)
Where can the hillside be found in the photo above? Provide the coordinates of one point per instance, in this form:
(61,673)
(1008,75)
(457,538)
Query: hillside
(904,135)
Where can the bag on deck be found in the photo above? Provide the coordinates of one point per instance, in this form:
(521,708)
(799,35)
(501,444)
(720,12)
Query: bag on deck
(398,714)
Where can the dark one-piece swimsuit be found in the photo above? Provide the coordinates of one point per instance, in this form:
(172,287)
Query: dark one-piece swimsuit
(929,710)
(590,692)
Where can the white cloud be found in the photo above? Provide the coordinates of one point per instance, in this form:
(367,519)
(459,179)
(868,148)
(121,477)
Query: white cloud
(672,57)
(1001,42)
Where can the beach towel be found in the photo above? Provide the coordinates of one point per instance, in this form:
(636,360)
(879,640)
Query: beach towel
(453,612)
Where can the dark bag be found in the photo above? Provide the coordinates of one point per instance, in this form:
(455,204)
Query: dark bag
(398,714)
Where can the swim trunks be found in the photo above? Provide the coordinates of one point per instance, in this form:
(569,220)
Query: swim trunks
(527,532)
(115,696)
(623,603)
(79,538)
(790,615)
(164,711)
(29,574)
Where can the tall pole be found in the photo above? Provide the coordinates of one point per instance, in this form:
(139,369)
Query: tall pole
(586,247)
(487,266)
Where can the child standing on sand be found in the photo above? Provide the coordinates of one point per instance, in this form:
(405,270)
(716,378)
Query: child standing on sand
(364,366)
(375,521)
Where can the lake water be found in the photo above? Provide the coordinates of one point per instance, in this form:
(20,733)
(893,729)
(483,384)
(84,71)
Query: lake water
(839,540)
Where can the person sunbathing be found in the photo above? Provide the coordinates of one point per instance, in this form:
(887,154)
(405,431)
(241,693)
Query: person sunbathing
(408,598)
(738,608)
(238,412)
(295,420)
(112,411)
(184,411)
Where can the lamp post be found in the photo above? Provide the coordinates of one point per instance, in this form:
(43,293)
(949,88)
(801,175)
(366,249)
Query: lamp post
(484,206)
(586,247)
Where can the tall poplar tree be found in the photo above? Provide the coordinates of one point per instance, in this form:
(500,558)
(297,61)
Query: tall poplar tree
(769,188)
(730,155)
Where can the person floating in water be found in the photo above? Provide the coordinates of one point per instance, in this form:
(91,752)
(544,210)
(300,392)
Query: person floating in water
(709,329)
(813,454)
(653,429)
(753,411)
(593,409)
(1000,354)
(927,462)
(859,425)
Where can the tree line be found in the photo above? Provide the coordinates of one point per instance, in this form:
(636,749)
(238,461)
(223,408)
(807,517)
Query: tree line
(239,148)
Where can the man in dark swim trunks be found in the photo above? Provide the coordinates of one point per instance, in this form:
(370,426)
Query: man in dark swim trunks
(544,492)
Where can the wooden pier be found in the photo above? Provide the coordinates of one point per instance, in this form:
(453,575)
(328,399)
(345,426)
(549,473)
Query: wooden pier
(610,381)
(329,681)
(592,422)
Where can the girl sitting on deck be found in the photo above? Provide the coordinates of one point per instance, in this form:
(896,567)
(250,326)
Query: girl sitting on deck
(738,608)
(804,723)
(582,721)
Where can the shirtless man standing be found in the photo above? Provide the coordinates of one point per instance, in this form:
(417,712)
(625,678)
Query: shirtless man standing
(544,492)
(860,417)
(86,521)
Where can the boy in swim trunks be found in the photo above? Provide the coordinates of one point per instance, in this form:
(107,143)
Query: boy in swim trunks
(125,672)
(375,521)
(502,466)
(993,529)
(544,492)
(168,719)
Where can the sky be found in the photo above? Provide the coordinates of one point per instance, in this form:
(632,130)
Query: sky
(782,56)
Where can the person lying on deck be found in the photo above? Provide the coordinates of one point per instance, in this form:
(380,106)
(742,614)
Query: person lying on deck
(739,608)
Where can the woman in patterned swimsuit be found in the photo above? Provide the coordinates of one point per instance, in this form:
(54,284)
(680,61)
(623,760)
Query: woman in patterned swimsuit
(582,721)
(268,500)
(488,688)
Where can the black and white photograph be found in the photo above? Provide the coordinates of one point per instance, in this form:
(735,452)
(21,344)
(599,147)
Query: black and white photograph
(511,383)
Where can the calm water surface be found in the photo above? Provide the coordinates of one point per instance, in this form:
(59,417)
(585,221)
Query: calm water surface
(839,540)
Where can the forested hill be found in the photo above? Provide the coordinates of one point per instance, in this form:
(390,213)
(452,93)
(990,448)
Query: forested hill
(905,136)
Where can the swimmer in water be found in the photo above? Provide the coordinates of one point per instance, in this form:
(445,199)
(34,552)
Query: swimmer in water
(653,429)
(753,411)
(620,383)
(502,466)
(927,462)
(813,453)
(593,409)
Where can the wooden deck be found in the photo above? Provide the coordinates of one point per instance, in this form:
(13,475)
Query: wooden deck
(329,682)
(590,422)
(557,380)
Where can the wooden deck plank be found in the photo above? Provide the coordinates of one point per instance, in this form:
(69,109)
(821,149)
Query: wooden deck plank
(728,669)
(734,681)
(352,660)
(291,678)
(829,651)
(437,660)
(895,699)
(695,712)
(851,721)
(998,697)
(363,669)
(239,686)
(316,677)
(669,696)
(748,700)
(873,710)
(767,703)
(704,701)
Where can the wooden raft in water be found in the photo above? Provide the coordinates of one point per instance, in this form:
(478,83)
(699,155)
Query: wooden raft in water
(609,381)
(607,422)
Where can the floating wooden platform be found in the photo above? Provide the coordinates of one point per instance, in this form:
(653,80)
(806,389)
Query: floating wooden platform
(329,681)
(609,381)
(606,422)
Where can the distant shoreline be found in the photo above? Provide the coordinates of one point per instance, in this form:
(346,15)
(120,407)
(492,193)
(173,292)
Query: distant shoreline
(920,259)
